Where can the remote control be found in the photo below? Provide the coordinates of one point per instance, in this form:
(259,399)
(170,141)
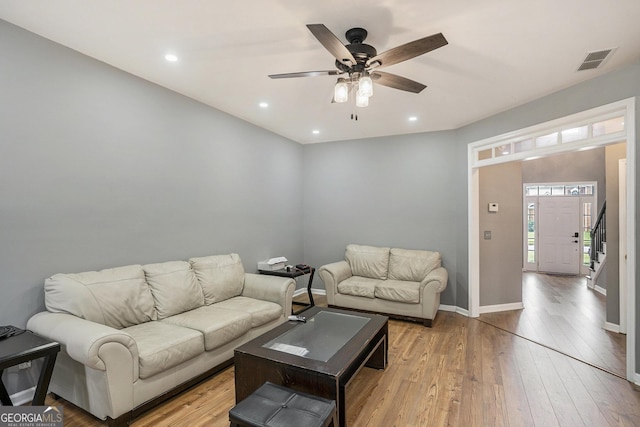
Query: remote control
(298,318)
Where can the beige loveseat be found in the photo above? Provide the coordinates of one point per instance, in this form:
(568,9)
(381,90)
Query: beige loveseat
(401,283)
(133,336)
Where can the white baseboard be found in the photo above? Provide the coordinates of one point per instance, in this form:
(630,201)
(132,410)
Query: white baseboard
(600,290)
(454,309)
(501,307)
(24,396)
(636,379)
(611,327)
(303,291)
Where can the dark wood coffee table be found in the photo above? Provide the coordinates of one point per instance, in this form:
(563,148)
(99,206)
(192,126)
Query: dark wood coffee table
(338,343)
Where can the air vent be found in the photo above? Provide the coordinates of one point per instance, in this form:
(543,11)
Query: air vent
(595,59)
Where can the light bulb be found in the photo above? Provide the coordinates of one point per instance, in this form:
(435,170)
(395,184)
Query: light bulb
(341,91)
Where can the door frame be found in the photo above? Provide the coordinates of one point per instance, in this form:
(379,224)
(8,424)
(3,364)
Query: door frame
(475,162)
(526,265)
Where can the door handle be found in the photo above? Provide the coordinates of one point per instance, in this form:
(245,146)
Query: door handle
(576,234)
(575,241)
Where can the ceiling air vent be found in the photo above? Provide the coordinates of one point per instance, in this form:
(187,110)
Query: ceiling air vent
(594,59)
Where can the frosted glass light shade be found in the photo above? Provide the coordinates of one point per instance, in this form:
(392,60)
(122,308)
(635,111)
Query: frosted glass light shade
(361,100)
(366,86)
(341,92)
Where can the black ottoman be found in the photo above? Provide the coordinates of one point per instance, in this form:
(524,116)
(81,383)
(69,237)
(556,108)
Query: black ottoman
(273,405)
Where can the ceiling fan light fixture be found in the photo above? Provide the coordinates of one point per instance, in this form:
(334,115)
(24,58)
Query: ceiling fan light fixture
(361,100)
(341,91)
(365,85)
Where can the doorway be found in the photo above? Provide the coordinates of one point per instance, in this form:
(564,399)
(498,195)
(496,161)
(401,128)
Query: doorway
(602,126)
(556,226)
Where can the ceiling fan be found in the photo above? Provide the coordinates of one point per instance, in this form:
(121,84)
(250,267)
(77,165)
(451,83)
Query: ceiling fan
(357,63)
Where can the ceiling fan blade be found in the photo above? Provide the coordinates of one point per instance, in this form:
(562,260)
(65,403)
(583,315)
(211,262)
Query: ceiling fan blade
(305,74)
(331,43)
(397,82)
(408,50)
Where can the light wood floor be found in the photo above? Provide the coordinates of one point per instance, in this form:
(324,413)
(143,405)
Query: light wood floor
(461,372)
(562,313)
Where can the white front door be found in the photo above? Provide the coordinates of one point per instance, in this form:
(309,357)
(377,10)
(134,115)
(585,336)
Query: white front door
(559,234)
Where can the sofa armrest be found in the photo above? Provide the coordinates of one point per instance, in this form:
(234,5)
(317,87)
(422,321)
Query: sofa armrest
(270,288)
(331,275)
(85,341)
(436,280)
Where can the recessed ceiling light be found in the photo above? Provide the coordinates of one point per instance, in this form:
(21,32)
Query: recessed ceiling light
(413,118)
(171,57)
(264,105)
(315,131)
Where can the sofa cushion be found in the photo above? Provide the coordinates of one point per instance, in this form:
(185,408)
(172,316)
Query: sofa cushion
(358,286)
(221,276)
(398,290)
(218,325)
(174,287)
(262,312)
(116,297)
(162,346)
(368,261)
(412,265)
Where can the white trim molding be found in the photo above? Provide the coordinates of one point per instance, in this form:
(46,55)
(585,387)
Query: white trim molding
(501,307)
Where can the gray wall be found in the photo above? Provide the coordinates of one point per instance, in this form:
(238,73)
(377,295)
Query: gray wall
(569,167)
(99,169)
(393,192)
(501,256)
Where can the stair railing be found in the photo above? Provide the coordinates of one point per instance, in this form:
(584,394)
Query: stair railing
(598,235)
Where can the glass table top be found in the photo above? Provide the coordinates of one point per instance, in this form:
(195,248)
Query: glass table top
(320,337)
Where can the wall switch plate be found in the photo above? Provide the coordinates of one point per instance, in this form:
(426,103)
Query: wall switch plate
(487,235)
(493,207)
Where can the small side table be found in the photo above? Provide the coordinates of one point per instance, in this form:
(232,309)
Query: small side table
(292,275)
(22,348)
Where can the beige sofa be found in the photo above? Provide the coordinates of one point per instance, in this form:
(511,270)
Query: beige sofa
(133,336)
(401,283)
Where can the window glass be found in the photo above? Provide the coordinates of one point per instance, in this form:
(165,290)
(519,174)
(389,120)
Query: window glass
(557,190)
(524,145)
(531,232)
(531,191)
(547,140)
(502,150)
(608,126)
(586,189)
(572,190)
(484,154)
(544,190)
(575,134)
(586,232)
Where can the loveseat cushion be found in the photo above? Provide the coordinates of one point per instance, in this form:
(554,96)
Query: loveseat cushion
(174,287)
(398,290)
(261,311)
(218,325)
(358,286)
(368,261)
(221,276)
(162,346)
(412,265)
(117,297)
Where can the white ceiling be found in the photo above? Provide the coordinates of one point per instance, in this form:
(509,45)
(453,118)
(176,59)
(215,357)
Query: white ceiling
(500,54)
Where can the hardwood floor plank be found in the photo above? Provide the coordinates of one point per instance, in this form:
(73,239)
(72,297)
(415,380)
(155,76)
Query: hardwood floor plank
(461,372)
